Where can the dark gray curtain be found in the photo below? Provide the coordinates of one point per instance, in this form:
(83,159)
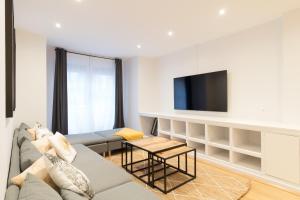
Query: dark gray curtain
(60,96)
(119,117)
(10,59)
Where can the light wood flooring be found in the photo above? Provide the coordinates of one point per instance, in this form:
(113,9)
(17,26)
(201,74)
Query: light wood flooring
(259,190)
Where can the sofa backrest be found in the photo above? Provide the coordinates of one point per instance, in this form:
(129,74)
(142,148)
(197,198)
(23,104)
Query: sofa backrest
(12,191)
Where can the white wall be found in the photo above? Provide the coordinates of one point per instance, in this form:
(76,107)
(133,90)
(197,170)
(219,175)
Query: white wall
(6,125)
(291,67)
(130,92)
(140,89)
(50,83)
(252,58)
(31,78)
(263,66)
(148,85)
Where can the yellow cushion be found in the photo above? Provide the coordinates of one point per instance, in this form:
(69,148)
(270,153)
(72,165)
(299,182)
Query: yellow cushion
(130,134)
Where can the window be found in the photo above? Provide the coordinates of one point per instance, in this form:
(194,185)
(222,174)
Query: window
(91,94)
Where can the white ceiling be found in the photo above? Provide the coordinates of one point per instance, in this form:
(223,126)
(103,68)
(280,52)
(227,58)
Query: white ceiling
(115,27)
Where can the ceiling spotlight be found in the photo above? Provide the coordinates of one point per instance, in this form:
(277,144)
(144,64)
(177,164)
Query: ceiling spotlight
(170,33)
(222,12)
(138,46)
(79,0)
(57,25)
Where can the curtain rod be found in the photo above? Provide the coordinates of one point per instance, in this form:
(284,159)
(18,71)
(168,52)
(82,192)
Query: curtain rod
(91,55)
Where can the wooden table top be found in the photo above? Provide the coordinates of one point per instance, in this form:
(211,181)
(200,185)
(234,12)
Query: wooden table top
(174,152)
(156,144)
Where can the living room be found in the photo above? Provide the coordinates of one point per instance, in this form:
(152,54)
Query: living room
(164,99)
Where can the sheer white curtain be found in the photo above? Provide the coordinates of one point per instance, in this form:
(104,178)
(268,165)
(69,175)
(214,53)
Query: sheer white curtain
(91,93)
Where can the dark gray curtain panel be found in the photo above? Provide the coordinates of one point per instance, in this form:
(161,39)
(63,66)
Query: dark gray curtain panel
(119,116)
(60,96)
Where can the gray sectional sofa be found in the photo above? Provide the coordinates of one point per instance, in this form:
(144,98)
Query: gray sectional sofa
(100,141)
(109,181)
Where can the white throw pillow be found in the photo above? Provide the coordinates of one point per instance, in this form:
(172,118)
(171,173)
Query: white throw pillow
(62,147)
(43,144)
(42,132)
(68,177)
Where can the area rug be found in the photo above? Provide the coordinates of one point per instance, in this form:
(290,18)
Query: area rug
(212,183)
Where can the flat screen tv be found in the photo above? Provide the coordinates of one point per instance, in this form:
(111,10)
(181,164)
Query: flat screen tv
(203,92)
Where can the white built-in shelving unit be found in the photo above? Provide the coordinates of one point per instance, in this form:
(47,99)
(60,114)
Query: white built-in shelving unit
(244,146)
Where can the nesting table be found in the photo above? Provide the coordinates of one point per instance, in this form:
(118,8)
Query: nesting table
(155,168)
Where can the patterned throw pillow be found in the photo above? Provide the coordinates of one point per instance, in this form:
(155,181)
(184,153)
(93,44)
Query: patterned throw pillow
(62,147)
(68,177)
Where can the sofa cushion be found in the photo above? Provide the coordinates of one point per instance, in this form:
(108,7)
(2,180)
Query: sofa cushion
(70,195)
(28,154)
(12,192)
(110,135)
(23,126)
(86,139)
(14,167)
(68,177)
(36,189)
(129,190)
(23,135)
(38,168)
(102,174)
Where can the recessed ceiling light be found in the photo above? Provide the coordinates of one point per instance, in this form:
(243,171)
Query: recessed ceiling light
(138,46)
(79,0)
(170,33)
(57,25)
(222,12)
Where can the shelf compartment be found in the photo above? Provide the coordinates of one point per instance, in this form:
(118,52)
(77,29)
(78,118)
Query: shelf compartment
(179,127)
(179,139)
(164,134)
(200,148)
(247,139)
(247,161)
(196,130)
(164,124)
(218,134)
(218,153)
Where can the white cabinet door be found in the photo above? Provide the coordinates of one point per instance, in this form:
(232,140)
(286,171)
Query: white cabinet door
(282,156)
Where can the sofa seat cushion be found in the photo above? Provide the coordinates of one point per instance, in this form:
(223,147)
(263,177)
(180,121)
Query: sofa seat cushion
(110,135)
(86,139)
(36,189)
(28,155)
(129,190)
(102,174)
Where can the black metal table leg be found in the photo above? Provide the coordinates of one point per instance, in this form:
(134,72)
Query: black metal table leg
(149,168)
(126,160)
(152,171)
(131,160)
(178,162)
(165,177)
(195,164)
(186,167)
(122,154)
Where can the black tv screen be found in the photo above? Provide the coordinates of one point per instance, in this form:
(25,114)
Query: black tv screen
(204,92)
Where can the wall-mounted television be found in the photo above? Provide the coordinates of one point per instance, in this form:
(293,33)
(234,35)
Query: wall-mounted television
(202,92)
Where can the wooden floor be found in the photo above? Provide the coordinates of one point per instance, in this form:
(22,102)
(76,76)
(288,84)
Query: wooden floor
(260,190)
